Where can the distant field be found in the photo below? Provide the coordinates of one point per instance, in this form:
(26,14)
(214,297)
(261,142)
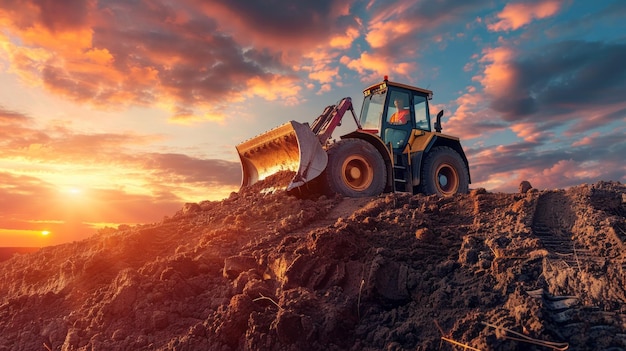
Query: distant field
(7,252)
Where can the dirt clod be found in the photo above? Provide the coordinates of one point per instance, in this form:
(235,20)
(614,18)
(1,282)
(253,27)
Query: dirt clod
(524,187)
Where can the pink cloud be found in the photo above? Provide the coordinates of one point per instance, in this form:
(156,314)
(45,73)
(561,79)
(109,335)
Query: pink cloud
(517,15)
(587,140)
(373,66)
(531,132)
(570,172)
(344,41)
(493,171)
(284,88)
(325,75)
(503,167)
(591,117)
(472,118)
(381,34)
(498,75)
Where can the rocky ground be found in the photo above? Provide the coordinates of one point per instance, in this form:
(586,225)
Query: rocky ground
(262,270)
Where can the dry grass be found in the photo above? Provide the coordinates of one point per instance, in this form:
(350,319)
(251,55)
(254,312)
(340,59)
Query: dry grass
(515,336)
(452,341)
(263,297)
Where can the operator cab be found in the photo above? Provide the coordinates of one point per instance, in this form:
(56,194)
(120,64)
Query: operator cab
(392,110)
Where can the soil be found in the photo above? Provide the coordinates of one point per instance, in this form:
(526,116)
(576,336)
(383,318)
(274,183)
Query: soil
(267,270)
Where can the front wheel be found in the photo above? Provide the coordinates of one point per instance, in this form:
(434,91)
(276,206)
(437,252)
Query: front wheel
(355,169)
(444,173)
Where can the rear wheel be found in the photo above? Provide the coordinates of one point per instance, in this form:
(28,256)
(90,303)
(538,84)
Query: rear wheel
(444,173)
(355,169)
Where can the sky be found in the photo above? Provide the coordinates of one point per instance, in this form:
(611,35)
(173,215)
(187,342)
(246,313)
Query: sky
(119,112)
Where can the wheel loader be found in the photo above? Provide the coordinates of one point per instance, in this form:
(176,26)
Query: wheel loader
(393,148)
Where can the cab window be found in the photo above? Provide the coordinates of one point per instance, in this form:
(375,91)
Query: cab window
(372,111)
(422,116)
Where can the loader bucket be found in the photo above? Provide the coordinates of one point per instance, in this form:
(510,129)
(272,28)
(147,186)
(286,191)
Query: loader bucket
(289,147)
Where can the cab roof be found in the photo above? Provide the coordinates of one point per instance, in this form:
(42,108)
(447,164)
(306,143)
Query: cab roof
(373,88)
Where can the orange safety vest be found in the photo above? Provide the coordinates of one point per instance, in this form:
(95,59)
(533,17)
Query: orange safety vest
(400,117)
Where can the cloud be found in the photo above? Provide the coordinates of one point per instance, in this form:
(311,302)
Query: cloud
(211,173)
(587,140)
(283,88)
(561,101)
(16,132)
(110,158)
(58,16)
(517,15)
(373,66)
(70,216)
(564,81)
(381,34)
(501,168)
(399,32)
(472,118)
(345,40)
(114,182)
(195,56)
(325,74)
(403,26)
(283,24)
(12,118)
(531,132)
(611,13)
(18,191)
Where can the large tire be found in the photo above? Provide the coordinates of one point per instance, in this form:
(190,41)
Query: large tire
(355,169)
(444,173)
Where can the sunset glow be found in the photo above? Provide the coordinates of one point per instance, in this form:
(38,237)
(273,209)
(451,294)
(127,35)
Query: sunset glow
(120,112)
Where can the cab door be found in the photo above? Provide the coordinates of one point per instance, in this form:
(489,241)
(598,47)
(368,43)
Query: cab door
(399,119)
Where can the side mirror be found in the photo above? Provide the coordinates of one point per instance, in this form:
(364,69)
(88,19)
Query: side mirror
(438,122)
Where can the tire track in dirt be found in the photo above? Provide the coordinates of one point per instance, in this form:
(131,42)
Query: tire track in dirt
(552,225)
(571,264)
(555,235)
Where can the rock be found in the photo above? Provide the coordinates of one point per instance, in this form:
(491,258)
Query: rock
(524,187)
(191,208)
(235,265)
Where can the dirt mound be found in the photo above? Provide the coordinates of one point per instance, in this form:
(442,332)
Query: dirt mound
(265,270)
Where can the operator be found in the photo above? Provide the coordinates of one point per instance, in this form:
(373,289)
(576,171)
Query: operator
(401,116)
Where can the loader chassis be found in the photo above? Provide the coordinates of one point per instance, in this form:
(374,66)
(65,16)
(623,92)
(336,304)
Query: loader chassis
(392,149)
(408,143)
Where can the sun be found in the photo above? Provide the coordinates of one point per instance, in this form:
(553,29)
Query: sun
(45,232)
(73,191)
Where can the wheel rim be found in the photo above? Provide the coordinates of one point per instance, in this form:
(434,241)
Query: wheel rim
(447,179)
(357,173)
